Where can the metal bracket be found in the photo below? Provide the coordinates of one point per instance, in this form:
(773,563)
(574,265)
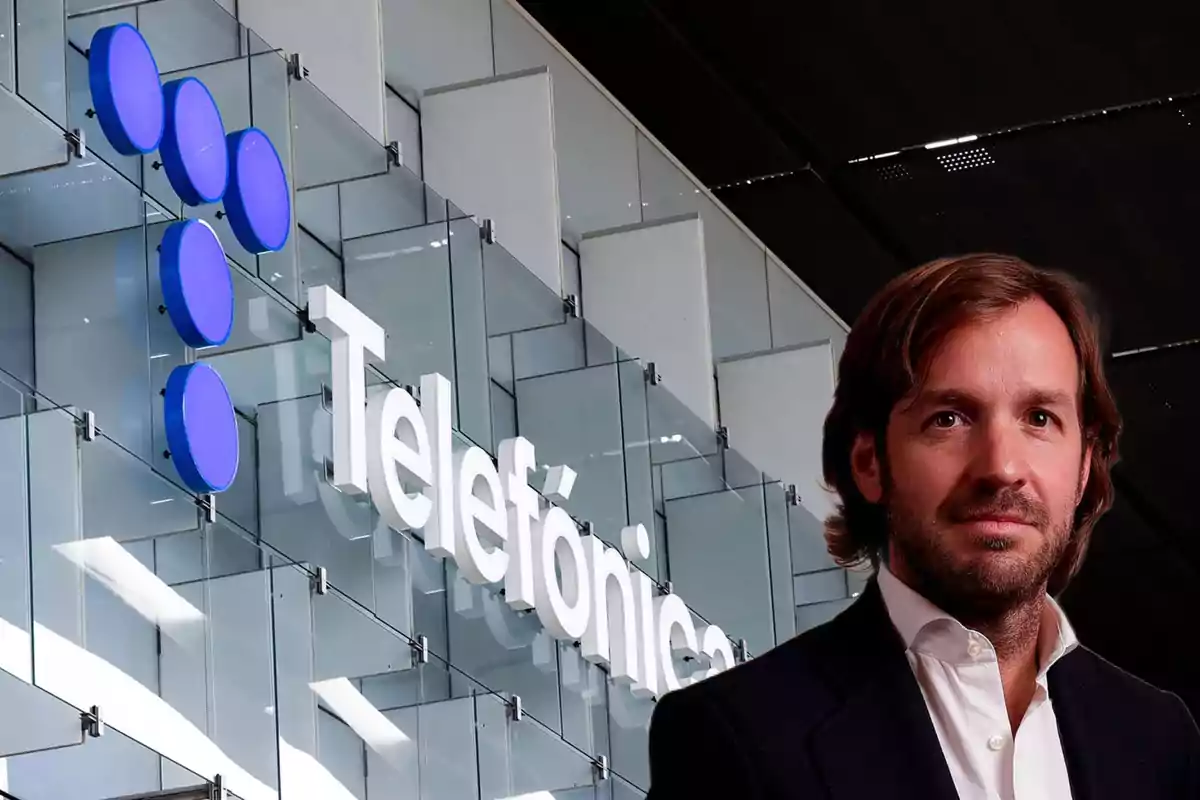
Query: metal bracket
(92,722)
(87,426)
(600,768)
(652,375)
(208,503)
(395,153)
(327,397)
(666,587)
(420,648)
(571,306)
(723,437)
(587,528)
(296,69)
(320,581)
(306,321)
(327,470)
(217,789)
(413,391)
(516,711)
(77,143)
(792,495)
(743,651)
(488,231)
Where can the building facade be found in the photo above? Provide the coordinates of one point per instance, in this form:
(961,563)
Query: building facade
(454,178)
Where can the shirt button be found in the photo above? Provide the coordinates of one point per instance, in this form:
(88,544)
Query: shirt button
(996,743)
(974,649)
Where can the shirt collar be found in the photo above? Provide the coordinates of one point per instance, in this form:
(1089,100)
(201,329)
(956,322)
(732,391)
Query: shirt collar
(926,628)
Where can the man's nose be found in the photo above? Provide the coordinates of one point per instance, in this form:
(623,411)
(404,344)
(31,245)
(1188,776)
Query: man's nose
(1000,454)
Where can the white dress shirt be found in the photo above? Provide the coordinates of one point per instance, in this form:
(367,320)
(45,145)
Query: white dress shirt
(959,677)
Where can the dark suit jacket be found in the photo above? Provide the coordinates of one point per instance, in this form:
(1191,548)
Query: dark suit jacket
(836,713)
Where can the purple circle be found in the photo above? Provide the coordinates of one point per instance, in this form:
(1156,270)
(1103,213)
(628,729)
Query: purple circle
(259,202)
(126,89)
(193,147)
(201,428)
(196,282)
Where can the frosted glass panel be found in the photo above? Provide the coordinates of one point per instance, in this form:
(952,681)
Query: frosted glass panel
(16,325)
(550,410)
(90,315)
(737,286)
(596,143)
(435,44)
(795,316)
(718,557)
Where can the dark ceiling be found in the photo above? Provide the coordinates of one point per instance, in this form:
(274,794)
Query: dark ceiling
(1087,159)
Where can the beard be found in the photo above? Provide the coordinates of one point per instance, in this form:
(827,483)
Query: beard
(979,579)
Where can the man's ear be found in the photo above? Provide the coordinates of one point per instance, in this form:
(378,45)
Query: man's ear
(864,463)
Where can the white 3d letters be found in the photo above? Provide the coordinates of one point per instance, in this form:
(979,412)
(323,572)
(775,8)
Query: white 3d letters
(492,525)
(611,636)
(517,458)
(481,518)
(351,332)
(563,607)
(676,637)
(399,455)
(435,407)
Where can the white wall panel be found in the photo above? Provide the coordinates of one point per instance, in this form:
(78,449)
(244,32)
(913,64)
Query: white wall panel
(774,405)
(646,287)
(341,44)
(430,43)
(489,147)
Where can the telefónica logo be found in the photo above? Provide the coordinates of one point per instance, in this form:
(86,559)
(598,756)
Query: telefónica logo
(139,114)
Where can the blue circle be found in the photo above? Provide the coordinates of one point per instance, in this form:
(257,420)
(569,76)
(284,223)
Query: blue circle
(126,90)
(201,428)
(259,203)
(193,146)
(196,283)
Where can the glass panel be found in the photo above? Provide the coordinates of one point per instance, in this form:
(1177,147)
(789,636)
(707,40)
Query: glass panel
(110,766)
(41,56)
(176,649)
(270,112)
(718,561)
(820,587)
(16,329)
(7,29)
(810,616)
(502,648)
(91,317)
(472,387)
(402,281)
(807,541)
(319,266)
(357,712)
(189,33)
(392,201)
(549,409)
(629,732)
(516,299)
(327,145)
(639,484)
(779,554)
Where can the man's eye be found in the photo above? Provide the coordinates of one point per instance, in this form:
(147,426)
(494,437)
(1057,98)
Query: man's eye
(945,419)
(1040,418)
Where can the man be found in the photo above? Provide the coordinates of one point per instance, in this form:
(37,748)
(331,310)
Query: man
(970,441)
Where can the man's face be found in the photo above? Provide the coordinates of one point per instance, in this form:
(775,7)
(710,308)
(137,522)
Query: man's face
(985,464)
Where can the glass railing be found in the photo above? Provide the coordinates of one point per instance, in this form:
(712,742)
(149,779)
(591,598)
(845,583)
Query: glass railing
(199,635)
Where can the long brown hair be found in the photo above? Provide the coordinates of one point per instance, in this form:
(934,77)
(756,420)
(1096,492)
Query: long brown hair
(888,351)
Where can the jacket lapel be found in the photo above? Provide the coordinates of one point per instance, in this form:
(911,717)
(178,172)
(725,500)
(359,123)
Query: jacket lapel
(881,742)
